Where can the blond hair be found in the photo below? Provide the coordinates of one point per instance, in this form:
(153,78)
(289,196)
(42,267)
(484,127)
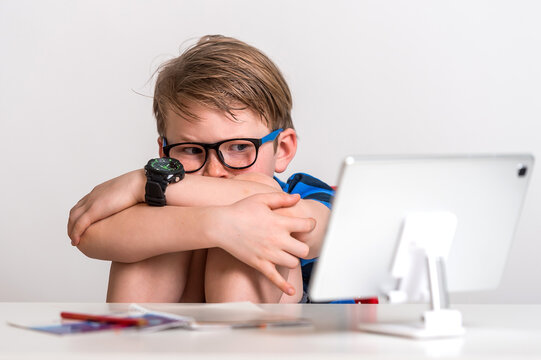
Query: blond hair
(226,74)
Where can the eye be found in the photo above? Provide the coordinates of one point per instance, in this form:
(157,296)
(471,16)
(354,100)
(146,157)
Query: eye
(191,150)
(239,147)
(187,150)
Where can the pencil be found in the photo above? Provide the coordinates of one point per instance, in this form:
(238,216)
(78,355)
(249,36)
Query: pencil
(124,321)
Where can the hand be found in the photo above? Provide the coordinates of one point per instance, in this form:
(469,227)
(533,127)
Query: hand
(105,200)
(312,209)
(253,233)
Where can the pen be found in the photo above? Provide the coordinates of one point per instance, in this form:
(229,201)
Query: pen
(104,319)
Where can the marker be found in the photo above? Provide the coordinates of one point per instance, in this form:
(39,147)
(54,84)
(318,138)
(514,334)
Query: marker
(124,321)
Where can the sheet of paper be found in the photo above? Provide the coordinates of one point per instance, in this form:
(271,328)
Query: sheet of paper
(224,315)
(65,327)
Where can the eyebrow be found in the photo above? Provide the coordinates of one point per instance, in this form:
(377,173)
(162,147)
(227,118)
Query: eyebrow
(181,139)
(206,142)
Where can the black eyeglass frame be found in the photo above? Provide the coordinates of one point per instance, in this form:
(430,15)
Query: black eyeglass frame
(215,146)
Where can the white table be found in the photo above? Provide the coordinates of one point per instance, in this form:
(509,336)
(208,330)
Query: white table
(493,331)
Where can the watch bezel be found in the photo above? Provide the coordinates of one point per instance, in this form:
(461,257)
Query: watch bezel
(176,170)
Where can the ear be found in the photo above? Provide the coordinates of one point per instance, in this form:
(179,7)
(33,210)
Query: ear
(285,150)
(160,144)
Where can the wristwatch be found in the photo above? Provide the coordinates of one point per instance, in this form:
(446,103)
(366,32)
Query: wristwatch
(161,172)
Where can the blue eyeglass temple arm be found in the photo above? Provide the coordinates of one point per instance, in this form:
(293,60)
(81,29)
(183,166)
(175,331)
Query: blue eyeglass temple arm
(264,139)
(271,136)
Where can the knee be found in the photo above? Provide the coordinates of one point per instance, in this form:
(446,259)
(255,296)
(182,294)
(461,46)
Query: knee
(228,279)
(158,279)
(141,270)
(128,281)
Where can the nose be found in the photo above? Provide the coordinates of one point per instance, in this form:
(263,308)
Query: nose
(213,167)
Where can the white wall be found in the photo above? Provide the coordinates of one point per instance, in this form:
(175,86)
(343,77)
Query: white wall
(367,77)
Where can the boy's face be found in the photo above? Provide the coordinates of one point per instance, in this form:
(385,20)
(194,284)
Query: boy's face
(214,126)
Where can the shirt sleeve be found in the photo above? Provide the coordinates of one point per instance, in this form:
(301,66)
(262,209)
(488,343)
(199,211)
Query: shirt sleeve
(309,188)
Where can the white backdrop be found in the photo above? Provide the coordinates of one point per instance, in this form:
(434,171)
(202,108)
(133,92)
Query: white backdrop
(368,77)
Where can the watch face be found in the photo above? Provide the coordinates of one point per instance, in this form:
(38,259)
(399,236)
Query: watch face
(167,166)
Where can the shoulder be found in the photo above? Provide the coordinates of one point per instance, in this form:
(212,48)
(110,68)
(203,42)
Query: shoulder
(309,187)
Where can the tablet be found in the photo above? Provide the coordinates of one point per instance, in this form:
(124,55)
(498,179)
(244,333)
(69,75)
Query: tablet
(376,194)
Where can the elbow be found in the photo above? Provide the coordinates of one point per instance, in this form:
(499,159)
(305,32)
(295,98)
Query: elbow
(85,247)
(89,244)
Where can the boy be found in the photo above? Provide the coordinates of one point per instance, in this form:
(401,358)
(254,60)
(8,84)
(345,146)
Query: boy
(232,234)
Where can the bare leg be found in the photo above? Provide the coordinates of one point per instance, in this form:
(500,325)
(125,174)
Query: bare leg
(228,279)
(194,291)
(158,279)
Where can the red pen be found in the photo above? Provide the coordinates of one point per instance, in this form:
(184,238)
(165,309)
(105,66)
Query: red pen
(124,321)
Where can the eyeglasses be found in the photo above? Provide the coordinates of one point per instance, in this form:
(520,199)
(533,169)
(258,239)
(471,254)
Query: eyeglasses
(232,153)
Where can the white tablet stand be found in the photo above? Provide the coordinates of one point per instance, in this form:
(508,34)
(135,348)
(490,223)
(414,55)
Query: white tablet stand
(424,244)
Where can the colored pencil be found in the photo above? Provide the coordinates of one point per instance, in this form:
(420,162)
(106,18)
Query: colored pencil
(124,321)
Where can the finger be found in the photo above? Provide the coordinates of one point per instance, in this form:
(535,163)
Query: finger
(296,248)
(82,202)
(284,258)
(71,224)
(76,208)
(75,214)
(80,226)
(269,271)
(278,200)
(300,225)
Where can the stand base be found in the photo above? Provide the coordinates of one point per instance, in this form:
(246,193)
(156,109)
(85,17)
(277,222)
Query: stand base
(436,325)
(411,330)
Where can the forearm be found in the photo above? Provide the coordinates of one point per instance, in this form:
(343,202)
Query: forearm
(196,190)
(141,231)
(208,191)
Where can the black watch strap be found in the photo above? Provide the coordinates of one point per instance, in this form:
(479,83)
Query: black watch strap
(155,193)
(155,190)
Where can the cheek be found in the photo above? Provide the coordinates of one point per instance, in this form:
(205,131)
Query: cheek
(263,165)
(251,169)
